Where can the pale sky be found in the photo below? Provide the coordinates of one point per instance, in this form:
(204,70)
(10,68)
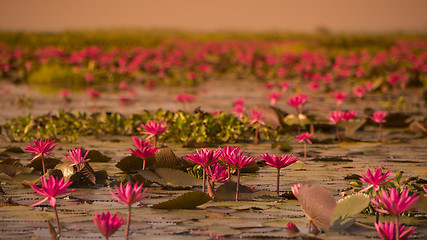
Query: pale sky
(252,15)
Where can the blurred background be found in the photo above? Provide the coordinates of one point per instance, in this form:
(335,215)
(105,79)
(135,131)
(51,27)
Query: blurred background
(337,16)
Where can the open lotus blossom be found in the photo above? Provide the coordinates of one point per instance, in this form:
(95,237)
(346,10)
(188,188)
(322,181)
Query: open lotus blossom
(153,128)
(291,227)
(51,188)
(295,189)
(204,158)
(107,224)
(144,153)
(395,203)
(387,231)
(339,97)
(347,116)
(305,138)
(75,156)
(284,86)
(297,101)
(216,173)
(273,96)
(379,117)
(375,179)
(359,91)
(278,162)
(226,152)
(129,195)
(256,119)
(238,161)
(141,143)
(335,117)
(41,149)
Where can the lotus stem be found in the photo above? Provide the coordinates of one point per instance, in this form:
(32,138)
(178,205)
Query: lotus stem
(204,179)
(278,181)
(44,169)
(397,227)
(346,129)
(305,151)
(380,132)
(238,182)
(338,132)
(256,135)
(143,164)
(57,219)
(128,222)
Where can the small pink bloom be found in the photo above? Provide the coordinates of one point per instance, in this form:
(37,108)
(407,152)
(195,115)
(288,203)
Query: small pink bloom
(376,179)
(204,157)
(394,202)
(297,100)
(145,152)
(379,116)
(123,86)
(125,99)
(335,117)
(279,161)
(141,143)
(51,188)
(41,148)
(304,137)
(63,93)
(339,97)
(368,86)
(238,160)
(256,117)
(359,91)
(93,94)
(130,194)
(291,227)
(89,77)
(108,224)
(154,128)
(76,157)
(269,85)
(295,189)
(313,85)
(284,86)
(273,96)
(387,231)
(218,173)
(347,116)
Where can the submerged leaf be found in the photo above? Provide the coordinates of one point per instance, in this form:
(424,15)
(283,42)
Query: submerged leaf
(186,201)
(168,177)
(318,205)
(348,207)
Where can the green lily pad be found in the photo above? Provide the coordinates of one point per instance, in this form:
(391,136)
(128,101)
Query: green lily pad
(301,120)
(348,207)
(188,200)
(168,177)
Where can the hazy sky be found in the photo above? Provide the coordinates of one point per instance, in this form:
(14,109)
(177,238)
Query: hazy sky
(284,15)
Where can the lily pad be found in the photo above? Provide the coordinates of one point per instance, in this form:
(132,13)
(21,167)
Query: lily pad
(421,204)
(81,174)
(301,120)
(166,158)
(348,207)
(50,163)
(331,159)
(227,192)
(132,164)
(168,177)
(14,149)
(12,171)
(96,156)
(188,200)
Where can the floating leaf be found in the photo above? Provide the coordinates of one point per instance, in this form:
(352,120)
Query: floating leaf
(284,146)
(332,159)
(168,177)
(318,205)
(301,120)
(50,163)
(188,200)
(81,174)
(96,156)
(227,192)
(12,161)
(132,164)
(101,177)
(166,158)
(12,171)
(251,168)
(14,149)
(418,128)
(348,207)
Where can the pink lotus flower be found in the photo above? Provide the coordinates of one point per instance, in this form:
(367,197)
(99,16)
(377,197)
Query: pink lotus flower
(76,157)
(394,202)
(347,116)
(375,180)
(269,85)
(154,128)
(130,194)
(144,153)
(238,110)
(379,117)
(63,93)
(107,224)
(335,117)
(359,91)
(141,143)
(127,196)
(387,231)
(238,161)
(123,86)
(305,138)
(313,85)
(89,77)
(339,97)
(278,162)
(256,119)
(273,96)
(218,173)
(93,94)
(41,149)
(284,86)
(51,188)
(298,101)
(295,189)
(204,158)
(291,227)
